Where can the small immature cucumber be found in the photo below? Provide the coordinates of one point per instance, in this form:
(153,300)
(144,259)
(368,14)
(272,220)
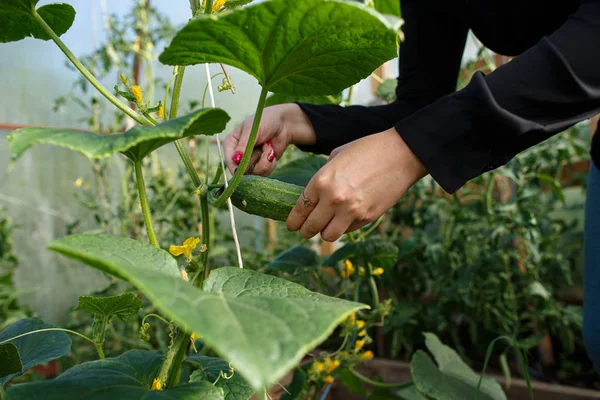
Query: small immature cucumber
(266,197)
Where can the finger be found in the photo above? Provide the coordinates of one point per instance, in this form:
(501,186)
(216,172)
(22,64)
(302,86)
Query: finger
(356,225)
(239,147)
(301,211)
(338,225)
(317,220)
(337,151)
(245,134)
(229,146)
(267,161)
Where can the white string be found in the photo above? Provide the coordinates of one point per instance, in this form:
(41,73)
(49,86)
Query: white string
(229,205)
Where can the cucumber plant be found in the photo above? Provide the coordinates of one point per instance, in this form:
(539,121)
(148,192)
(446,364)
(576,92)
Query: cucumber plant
(260,325)
(292,48)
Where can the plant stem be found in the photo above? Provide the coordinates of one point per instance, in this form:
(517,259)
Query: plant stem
(205,239)
(170,371)
(195,6)
(139,177)
(348,100)
(157,317)
(47,330)
(100,339)
(189,164)
(374,291)
(370,229)
(247,152)
(176,92)
(208,7)
(87,74)
(207,158)
(382,385)
(185,157)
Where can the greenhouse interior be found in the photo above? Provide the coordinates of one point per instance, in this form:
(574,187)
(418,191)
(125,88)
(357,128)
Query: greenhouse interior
(299,199)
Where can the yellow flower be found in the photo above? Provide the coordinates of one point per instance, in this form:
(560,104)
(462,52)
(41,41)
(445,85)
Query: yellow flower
(347,269)
(123,79)
(161,112)
(137,93)
(193,338)
(367,355)
(156,385)
(360,344)
(318,366)
(377,271)
(360,324)
(331,365)
(217,4)
(362,333)
(184,274)
(188,246)
(78,182)
(328,379)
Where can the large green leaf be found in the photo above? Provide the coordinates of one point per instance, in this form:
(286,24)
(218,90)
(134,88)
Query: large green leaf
(279,98)
(209,369)
(262,324)
(299,172)
(379,252)
(126,377)
(391,7)
(10,361)
(308,47)
(293,259)
(452,378)
(35,348)
(18,22)
(410,393)
(123,306)
(231,4)
(136,143)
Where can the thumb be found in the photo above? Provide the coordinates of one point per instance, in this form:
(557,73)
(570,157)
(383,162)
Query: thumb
(337,151)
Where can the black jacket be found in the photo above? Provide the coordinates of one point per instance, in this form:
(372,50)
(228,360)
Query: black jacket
(553,83)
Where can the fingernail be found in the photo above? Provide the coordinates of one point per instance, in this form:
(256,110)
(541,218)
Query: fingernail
(237,157)
(270,143)
(271,155)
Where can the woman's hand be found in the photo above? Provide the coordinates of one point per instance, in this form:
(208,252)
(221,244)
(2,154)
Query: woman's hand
(360,182)
(280,125)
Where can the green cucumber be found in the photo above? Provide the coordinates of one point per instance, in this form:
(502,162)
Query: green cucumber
(266,197)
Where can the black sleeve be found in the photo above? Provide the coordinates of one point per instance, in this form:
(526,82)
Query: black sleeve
(424,76)
(548,88)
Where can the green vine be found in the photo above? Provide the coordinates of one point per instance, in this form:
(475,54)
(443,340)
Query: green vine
(139,177)
(220,201)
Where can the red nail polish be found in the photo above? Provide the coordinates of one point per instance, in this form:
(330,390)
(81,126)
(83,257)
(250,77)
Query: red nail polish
(237,157)
(271,155)
(270,143)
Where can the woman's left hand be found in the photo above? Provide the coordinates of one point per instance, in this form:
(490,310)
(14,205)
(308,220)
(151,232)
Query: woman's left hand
(360,182)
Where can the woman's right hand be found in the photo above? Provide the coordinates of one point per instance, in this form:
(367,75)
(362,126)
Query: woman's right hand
(280,126)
